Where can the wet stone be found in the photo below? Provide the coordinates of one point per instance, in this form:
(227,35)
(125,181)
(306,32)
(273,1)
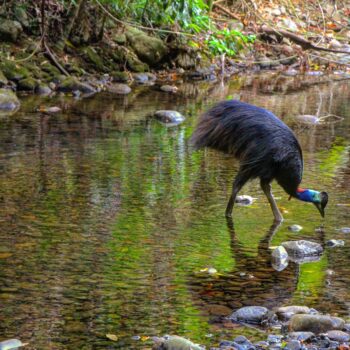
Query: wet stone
(295,228)
(250,314)
(315,323)
(335,243)
(302,248)
(339,336)
(8,100)
(169,117)
(244,200)
(344,230)
(293,345)
(141,78)
(302,336)
(169,88)
(286,312)
(119,89)
(174,342)
(274,339)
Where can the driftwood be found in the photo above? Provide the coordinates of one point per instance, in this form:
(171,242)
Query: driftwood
(228,12)
(305,44)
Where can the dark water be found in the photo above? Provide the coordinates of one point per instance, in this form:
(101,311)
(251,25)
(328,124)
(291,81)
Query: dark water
(109,219)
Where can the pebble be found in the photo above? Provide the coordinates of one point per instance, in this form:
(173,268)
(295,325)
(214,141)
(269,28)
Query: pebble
(250,314)
(335,243)
(244,200)
(302,248)
(293,344)
(339,336)
(295,228)
(344,230)
(169,88)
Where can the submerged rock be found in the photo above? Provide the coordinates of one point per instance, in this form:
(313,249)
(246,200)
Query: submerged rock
(72,84)
(302,248)
(11,344)
(251,314)
(175,342)
(295,228)
(169,117)
(244,200)
(8,100)
(339,336)
(279,258)
(315,323)
(119,89)
(335,243)
(169,88)
(302,336)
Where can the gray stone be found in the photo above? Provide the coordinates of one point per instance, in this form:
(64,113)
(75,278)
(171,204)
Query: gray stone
(251,314)
(279,253)
(10,344)
(119,89)
(315,323)
(174,342)
(293,344)
(295,228)
(169,88)
(169,117)
(335,243)
(302,248)
(339,336)
(344,230)
(10,30)
(140,78)
(244,200)
(286,312)
(302,336)
(8,100)
(43,89)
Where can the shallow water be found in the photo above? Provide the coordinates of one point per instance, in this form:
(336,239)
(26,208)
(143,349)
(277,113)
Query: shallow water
(109,219)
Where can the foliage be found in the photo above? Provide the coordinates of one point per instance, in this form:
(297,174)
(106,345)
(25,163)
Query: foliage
(228,41)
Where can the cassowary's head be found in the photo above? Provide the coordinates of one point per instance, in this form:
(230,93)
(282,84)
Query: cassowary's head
(320,199)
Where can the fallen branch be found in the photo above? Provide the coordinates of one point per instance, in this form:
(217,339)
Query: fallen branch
(305,44)
(228,12)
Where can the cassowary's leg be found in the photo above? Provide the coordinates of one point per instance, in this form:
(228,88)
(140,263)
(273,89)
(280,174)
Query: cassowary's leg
(266,187)
(238,183)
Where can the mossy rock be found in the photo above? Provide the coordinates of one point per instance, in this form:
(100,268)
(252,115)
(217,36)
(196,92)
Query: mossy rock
(43,89)
(120,38)
(14,71)
(72,84)
(120,77)
(49,68)
(124,55)
(93,57)
(21,16)
(8,100)
(149,49)
(3,79)
(10,30)
(27,84)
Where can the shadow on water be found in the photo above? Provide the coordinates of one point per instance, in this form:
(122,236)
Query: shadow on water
(108,219)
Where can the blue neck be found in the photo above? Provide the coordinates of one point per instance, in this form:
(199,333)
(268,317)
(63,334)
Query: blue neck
(308,196)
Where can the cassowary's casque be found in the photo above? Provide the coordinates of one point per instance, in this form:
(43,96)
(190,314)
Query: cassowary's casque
(266,147)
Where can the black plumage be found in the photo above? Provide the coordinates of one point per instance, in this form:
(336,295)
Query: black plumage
(266,147)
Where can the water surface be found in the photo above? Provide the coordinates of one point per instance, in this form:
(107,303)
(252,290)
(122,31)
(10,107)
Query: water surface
(109,219)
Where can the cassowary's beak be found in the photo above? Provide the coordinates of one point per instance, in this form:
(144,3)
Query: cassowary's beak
(322,205)
(320,209)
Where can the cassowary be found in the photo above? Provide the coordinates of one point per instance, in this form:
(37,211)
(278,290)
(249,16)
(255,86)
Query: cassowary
(266,148)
